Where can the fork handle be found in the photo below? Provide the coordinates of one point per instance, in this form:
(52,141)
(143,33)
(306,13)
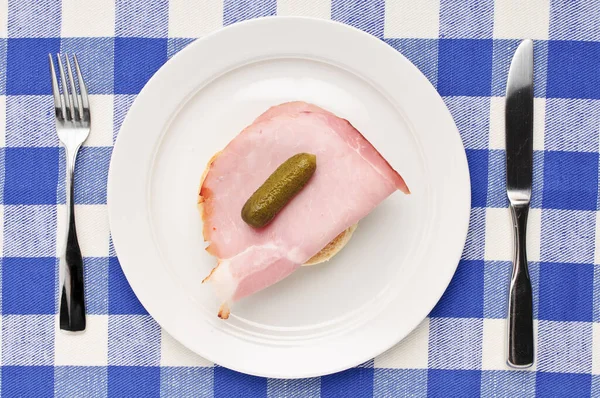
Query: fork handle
(520,302)
(72,300)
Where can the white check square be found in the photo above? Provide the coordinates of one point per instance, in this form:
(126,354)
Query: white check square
(192,18)
(83,349)
(92,18)
(92,230)
(3,18)
(101,133)
(518,19)
(596,349)
(499,234)
(305,8)
(412,19)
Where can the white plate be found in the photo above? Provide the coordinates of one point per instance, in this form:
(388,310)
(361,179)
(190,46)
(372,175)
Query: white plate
(323,318)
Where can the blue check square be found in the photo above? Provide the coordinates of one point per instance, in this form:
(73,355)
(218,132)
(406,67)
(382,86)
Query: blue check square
(453,353)
(569,236)
(478,169)
(91,175)
(575,20)
(470,19)
(570,180)
(366,15)
(453,383)
(141,19)
(30,176)
(3,44)
(237,11)
(136,60)
(423,53)
(472,117)
(80,381)
(507,384)
(465,67)
(228,383)
(464,296)
(566,292)
(28,381)
(134,381)
(95,56)
(27,70)
(572,69)
(34,18)
(31,277)
(121,299)
(400,383)
(133,340)
(27,340)
(561,385)
(186,382)
(30,121)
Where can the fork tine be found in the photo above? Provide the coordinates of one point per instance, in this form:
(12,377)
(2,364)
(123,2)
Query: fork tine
(76,112)
(65,85)
(83,96)
(59,105)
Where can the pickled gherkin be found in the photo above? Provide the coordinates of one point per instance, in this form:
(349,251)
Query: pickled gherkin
(281,186)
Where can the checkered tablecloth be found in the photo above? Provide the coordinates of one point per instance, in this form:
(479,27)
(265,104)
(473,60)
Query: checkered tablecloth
(463,47)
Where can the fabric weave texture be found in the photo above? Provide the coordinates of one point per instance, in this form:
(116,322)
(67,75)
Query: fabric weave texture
(463,47)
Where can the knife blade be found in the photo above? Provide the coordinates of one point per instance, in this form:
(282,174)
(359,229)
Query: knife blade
(519,176)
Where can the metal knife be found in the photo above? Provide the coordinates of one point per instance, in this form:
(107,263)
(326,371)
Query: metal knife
(519,175)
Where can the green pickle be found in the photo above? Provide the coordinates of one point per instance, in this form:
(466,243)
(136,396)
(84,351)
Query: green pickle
(281,186)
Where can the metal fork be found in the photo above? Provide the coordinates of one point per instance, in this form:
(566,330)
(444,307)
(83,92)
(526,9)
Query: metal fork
(72,114)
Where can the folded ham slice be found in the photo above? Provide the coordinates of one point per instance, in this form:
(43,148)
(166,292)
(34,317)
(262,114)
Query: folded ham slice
(350,180)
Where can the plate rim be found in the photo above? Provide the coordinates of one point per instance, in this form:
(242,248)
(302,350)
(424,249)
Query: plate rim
(155,83)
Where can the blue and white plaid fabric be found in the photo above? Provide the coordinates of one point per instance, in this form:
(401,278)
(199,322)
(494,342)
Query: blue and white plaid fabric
(464,48)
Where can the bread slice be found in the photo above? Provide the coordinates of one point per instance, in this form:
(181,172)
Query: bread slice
(325,254)
(332,247)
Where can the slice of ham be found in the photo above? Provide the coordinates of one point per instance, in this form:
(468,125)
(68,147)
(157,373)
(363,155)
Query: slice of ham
(351,179)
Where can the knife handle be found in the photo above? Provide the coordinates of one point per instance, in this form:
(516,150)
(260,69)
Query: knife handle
(520,306)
